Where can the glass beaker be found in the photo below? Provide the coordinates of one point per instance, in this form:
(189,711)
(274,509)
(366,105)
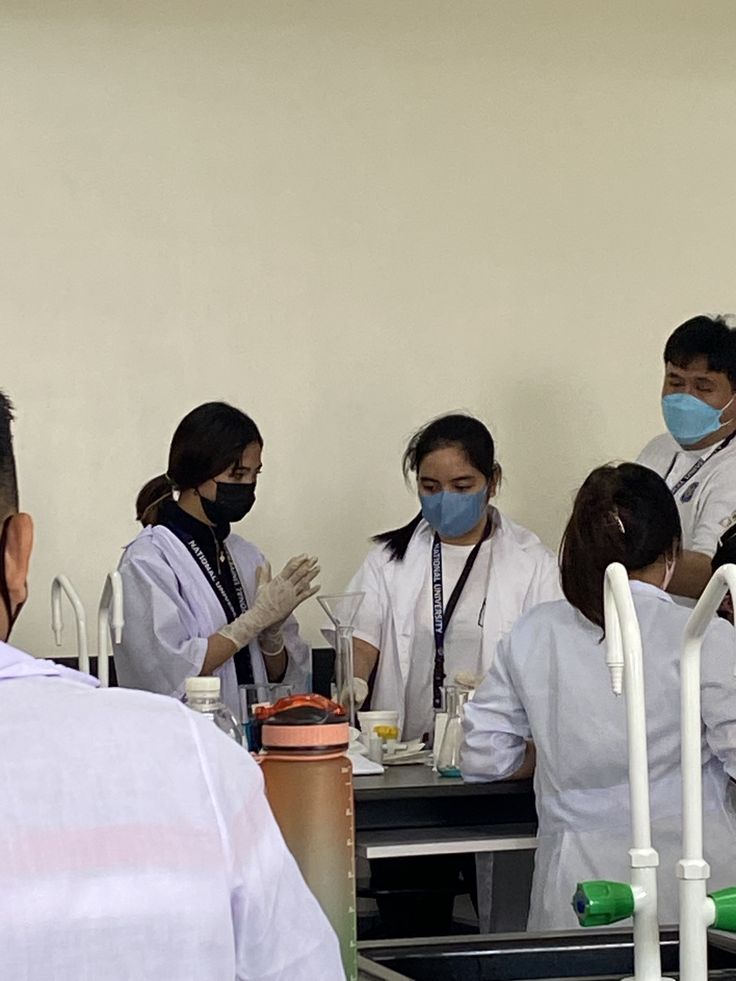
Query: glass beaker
(448,758)
(342,610)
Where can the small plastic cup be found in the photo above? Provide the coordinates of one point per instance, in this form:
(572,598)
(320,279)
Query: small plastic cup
(370,720)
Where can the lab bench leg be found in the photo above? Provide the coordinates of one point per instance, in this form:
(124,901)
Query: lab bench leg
(504,890)
(484,878)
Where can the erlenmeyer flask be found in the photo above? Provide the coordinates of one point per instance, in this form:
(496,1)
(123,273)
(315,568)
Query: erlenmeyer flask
(342,610)
(448,759)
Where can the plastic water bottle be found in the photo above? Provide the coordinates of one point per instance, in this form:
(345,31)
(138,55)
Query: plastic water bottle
(203,695)
(309,784)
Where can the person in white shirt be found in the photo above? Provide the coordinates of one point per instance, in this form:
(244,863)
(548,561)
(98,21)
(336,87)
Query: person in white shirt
(136,842)
(442,590)
(697,456)
(550,687)
(439,593)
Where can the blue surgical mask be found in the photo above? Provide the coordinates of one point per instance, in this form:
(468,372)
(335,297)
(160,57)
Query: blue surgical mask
(452,514)
(689,419)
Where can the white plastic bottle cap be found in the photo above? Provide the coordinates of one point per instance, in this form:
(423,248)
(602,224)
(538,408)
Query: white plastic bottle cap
(209,686)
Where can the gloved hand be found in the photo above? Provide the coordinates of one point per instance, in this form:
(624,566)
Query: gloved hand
(275,600)
(271,640)
(360,692)
(466,679)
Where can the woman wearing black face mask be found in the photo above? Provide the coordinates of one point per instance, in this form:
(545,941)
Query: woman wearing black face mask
(198,599)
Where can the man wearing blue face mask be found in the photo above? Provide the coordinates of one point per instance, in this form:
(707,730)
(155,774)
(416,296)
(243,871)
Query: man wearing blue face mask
(697,457)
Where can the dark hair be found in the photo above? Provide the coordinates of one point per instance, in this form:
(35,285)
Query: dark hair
(625,514)
(726,551)
(207,441)
(704,337)
(8,476)
(463,431)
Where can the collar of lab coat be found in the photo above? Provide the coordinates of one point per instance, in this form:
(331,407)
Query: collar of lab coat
(18,664)
(637,586)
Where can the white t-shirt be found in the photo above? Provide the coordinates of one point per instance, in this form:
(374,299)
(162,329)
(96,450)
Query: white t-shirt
(707,502)
(463,639)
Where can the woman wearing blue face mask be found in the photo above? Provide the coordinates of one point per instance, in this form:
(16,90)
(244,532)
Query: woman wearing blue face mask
(441,591)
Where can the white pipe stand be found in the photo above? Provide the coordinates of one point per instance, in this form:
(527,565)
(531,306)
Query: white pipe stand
(109,614)
(697,910)
(624,660)
(61,584)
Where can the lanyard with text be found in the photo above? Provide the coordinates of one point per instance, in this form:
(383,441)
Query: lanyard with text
(698,465)
(214,578)
(241,659)
(441,615)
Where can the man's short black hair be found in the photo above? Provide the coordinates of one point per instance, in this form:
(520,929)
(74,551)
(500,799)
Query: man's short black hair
(704,337)
(8,477)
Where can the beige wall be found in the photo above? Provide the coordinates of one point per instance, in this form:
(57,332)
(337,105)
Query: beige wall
(347,217)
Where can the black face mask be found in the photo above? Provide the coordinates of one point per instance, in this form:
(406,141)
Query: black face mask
(4,591)
(232,502)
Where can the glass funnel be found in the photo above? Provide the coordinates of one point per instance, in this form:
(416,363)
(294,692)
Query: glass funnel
(342,610)
(448,758)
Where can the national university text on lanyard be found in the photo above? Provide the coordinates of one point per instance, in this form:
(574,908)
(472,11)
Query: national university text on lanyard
(442,614)
(244,662)
(697,466)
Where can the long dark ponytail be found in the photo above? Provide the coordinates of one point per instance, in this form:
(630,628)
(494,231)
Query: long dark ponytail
(463,431)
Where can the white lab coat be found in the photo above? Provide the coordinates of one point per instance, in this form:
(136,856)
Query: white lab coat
(136,844)
(550,683)
(171,610)
(707,503)
(523,573)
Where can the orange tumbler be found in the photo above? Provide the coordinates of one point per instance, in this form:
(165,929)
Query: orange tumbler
(309,784)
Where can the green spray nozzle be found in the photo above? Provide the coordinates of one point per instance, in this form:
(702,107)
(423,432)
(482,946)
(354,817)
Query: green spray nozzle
(725,904)
(600,903)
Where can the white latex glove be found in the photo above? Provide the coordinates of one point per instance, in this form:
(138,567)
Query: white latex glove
(467,679)
(275,600)
(360,692)
(271,640)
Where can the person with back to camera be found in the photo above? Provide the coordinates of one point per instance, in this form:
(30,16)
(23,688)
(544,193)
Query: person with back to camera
(198,599)
(549,690)
(697,456)
(136,841)
(487,572)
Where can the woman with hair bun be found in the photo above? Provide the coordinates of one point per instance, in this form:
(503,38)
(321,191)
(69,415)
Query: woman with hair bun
(198,599)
